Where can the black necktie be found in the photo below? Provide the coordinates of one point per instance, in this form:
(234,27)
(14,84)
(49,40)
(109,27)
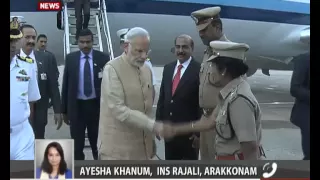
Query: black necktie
(87,83)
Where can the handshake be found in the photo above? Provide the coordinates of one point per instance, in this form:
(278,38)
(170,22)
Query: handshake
(164,129)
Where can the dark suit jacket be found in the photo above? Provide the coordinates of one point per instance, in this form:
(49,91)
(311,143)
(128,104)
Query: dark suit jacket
(71,80)
(48,85)
(54,62)
(183,106)
(300,89)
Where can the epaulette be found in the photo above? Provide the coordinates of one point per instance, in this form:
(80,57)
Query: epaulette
(25,59)
(148,59)
(233,95)
(208,51)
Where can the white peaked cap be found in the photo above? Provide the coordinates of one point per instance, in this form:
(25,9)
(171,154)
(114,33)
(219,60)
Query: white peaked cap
(122,32)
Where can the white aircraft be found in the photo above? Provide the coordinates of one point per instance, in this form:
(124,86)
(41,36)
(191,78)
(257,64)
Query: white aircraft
(276,30)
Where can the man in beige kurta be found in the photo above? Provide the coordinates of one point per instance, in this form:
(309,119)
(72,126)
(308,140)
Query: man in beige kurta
(126,129)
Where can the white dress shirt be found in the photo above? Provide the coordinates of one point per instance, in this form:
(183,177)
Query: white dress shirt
(22,54)
(184,67)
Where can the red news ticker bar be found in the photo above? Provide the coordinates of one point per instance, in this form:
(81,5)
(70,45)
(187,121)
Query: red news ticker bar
(286,179)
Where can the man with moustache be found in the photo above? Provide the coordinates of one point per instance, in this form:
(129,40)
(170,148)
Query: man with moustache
(210,28)
(126,128)
(41,45)
(47,82)
(81,93)
(24,89)
(179,99)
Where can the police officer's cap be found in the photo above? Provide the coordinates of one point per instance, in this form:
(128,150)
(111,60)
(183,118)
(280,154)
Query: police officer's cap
(122,32)
(228,49)
(15,34)
(204,17)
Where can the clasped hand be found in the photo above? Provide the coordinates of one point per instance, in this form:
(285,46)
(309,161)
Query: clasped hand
(164,129)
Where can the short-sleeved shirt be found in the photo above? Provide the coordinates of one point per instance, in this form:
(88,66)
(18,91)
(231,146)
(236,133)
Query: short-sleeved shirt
(245,117)
(23,89)
(32,56)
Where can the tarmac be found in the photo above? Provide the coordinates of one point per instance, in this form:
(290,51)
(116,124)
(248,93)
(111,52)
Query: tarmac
(281,140)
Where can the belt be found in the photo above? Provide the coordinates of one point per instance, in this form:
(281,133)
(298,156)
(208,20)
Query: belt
(238,156)
(207,111)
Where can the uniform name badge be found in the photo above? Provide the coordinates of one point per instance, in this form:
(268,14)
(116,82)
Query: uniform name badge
(100,75)
(43,76)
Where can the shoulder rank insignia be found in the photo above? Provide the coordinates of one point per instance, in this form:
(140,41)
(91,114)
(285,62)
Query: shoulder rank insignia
(26,59)
(233,94)
(208,51)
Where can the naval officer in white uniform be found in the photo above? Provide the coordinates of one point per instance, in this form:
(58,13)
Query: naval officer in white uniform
(23,89)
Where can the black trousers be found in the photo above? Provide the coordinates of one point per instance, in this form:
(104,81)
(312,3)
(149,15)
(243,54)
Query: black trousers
(82,21)
(180,148)
(39,129)
(305,141)
(40,120)
(88,118)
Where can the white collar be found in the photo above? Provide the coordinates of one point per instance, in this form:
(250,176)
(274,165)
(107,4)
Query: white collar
(185,64)
(84,55)
(22,54)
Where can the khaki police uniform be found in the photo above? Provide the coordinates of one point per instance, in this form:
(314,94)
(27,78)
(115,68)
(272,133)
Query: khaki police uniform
(208,94)
(238,116)
(23,89)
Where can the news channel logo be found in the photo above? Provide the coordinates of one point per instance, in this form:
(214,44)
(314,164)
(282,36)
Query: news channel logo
(54,152)
(269,169)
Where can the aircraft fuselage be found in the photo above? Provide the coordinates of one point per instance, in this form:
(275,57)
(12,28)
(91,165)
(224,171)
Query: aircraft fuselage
(270,27)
